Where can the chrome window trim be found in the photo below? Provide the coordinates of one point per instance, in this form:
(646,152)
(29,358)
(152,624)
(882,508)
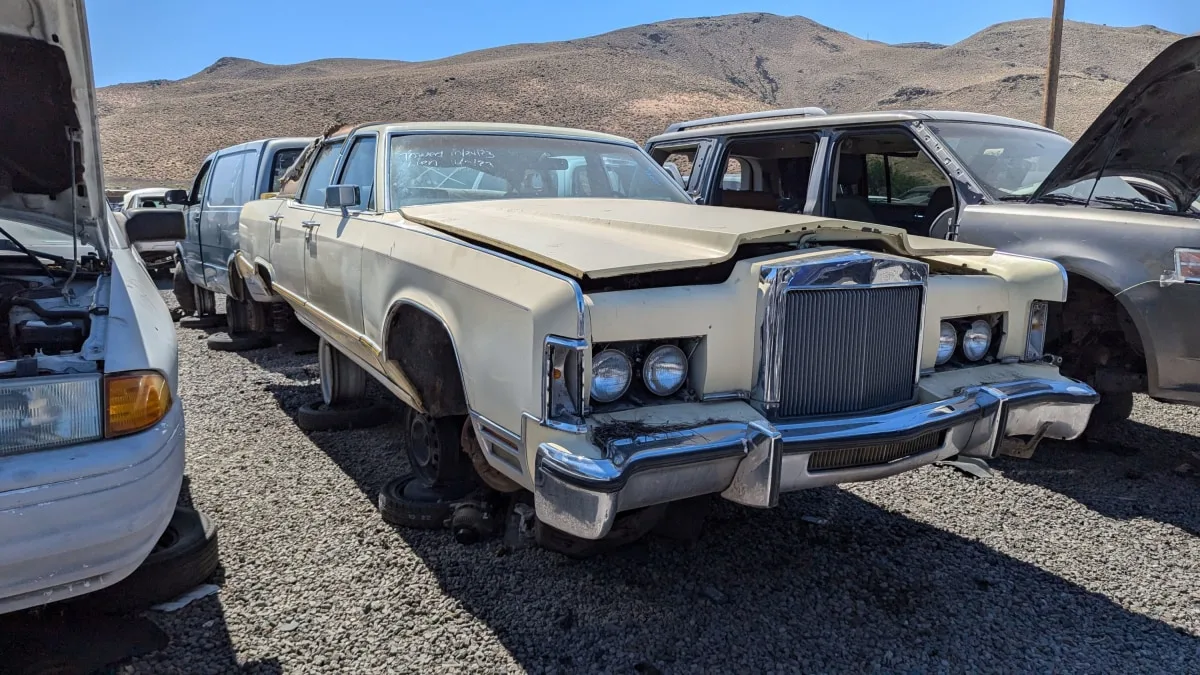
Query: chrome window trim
(836,268)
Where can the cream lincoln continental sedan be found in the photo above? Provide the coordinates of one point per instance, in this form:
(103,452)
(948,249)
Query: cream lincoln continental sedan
(561,319)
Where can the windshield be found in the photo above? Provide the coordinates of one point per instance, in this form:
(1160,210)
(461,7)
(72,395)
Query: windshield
(438,168)
(1012,162)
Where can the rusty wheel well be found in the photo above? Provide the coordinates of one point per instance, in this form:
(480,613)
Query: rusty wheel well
(421,347)
(1097,338)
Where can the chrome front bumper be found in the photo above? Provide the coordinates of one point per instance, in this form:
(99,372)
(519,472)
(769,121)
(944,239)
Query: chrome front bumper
(753,462)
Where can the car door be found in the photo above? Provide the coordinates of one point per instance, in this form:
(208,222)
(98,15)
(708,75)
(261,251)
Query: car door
(218,220)
(332,268)
(194,212)
(297,217)
(691,158)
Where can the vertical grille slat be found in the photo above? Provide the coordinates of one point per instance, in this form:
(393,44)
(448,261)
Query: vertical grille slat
(848,349)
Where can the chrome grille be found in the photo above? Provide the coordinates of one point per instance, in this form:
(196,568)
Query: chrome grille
(847,349)
(871,455)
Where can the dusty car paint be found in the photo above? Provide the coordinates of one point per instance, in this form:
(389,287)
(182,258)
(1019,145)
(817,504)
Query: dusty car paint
(505,277)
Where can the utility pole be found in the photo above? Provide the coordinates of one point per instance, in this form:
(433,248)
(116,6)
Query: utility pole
(1056,28)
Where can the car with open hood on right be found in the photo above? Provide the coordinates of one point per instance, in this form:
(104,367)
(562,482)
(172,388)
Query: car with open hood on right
(1116,208)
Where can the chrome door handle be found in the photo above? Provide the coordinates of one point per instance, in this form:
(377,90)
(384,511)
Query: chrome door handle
(275,218)
(309,224)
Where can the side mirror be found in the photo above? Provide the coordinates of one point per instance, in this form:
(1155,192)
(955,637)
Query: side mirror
(154,225)
(674,171)
(341,196)
(176,196)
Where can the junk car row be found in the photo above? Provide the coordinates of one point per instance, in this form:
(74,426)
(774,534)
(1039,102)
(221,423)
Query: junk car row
(586,332)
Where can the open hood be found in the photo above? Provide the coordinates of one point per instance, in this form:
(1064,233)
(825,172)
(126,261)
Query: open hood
(603,238)
(1148,131)
(49,143)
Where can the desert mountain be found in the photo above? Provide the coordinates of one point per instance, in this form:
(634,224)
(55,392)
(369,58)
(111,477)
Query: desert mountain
(632,82)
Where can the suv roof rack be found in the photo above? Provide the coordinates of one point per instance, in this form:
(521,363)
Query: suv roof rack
(809,111)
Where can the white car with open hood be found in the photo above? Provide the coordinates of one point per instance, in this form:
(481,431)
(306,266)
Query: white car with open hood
(562,319)
(91,431)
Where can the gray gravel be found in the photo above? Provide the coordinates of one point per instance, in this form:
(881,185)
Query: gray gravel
(1077,560)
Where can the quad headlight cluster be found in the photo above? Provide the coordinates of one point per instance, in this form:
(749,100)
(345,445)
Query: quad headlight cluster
(662,369)
(970,337)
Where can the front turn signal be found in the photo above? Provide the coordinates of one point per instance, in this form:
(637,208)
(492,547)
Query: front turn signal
(134,401)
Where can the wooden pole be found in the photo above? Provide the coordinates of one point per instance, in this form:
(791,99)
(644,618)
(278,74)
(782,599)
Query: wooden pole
(1052,65)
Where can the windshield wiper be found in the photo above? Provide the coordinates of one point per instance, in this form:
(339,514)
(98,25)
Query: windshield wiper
(1141,204)
(33,256)
(1062,199)
(1012,198)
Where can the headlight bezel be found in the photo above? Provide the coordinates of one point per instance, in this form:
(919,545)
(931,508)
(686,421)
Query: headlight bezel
(996,321)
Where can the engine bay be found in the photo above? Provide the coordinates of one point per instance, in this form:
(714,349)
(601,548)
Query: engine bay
(51,326)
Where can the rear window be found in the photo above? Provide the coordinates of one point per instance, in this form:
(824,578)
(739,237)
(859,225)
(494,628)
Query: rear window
(282,162)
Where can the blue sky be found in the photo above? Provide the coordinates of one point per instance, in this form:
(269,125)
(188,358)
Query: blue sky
(136,40)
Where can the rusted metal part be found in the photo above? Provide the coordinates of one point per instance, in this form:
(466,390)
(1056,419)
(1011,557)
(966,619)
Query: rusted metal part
(490,476)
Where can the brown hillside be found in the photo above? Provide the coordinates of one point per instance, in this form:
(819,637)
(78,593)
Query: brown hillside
(633,82)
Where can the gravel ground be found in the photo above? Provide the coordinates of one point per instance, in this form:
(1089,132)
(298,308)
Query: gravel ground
(1081,560)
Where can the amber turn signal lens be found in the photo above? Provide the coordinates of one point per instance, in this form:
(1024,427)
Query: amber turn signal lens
(134,401)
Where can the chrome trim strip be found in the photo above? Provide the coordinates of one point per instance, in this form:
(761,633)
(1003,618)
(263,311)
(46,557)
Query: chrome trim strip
(581,347)
(726,396)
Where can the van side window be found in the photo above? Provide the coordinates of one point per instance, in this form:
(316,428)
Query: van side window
(284,159)
(248,188)
(360,170)
(200,183)
(225,183)
(320,174)
(884,177)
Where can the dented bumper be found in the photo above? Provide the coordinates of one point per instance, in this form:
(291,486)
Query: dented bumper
(753,460)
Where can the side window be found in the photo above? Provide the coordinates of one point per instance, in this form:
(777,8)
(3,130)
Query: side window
(283,160)
(735,177)
(199,184)
(683,161)
(902,179)
(690,161)
(320,174)
(249,186)
(225,181)
(360,170)
(884,177)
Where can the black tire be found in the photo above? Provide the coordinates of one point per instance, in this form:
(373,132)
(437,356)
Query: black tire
(235,342)
(1112,408)
(209,321)
(184,557)
(185,292)
(280,317)
(245,316)
(343,382)
(434,448)
(407,502)
(320,417)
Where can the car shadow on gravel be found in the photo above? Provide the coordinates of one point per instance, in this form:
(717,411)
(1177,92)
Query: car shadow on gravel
(1135,473)
(81,637)
(828,579)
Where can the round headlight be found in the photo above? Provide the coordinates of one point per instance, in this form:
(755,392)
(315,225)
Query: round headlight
(665,370)
(611,373)
(976,340)
(947,341)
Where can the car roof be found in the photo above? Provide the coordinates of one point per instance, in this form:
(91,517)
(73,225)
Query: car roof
(730,125)
(494,127)
(298,141)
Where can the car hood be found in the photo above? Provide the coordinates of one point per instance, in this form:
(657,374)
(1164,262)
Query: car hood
(601,238)
(1148,131)
(49,97)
